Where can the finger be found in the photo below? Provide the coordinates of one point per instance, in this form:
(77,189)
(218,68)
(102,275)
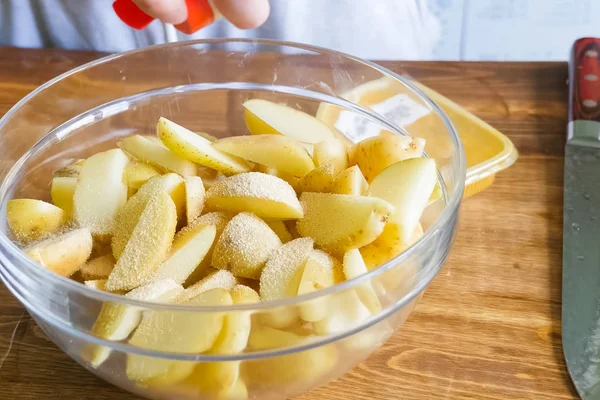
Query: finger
(245,14)
(169,11)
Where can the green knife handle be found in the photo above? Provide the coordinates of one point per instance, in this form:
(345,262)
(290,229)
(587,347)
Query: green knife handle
(584,92)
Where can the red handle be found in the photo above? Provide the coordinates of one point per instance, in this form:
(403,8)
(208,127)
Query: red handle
(200,14)
(584,80)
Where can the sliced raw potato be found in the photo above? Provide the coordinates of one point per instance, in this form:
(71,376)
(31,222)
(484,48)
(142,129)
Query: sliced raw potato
(349,313)
(218,279)
(339,222)
(275,151)
(137,173)
(354,266)
(194,197)
(264,195)
(63,254)
(319,180)
(116,322)
(408,186)
(388,245)
(375,154)
(283,272)
(187,252)
(331,151)
(330,263)
(184,332)
(350,181)
(245,246)
(100,192)
(97,284)
(193,147)
(70,171)
(129,215)
(62,192)
(31,219)
(436,194)
(219,220)
(315,276)
(236,327)
(148,151)
(98,268)
(207,136)
(289,178)
(148,245)
(280,230)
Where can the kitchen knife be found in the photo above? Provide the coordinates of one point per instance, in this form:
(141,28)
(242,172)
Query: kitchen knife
(581,227)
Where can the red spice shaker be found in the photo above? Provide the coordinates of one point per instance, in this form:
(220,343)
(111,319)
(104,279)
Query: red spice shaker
(201,13)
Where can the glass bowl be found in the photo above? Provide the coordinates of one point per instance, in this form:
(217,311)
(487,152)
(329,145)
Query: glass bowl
(202,85)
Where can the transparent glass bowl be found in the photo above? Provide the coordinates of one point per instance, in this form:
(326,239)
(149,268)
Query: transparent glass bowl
(202,85)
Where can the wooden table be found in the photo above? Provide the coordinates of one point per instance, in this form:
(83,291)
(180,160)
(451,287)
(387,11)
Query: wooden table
(488,327)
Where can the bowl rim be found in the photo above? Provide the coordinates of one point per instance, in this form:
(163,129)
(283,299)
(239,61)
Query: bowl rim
(446,215)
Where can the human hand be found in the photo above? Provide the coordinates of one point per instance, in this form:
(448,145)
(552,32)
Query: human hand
(244,14)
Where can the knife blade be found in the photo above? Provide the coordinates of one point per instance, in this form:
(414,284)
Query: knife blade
(581,226)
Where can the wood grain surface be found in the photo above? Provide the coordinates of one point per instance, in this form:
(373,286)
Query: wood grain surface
(488,327)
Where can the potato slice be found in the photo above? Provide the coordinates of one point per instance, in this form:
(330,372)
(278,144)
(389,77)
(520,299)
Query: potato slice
(315,276)
(146,150)
(218,279)
(63,254)
(354,266)
(31,219)
(375,154)
(350,181)
(245,246)
(116,322)
(185,332)
(339,222)
(97,284)
(195,148)
(261,194)
(148,245)
(236,327)
(98,268)
(387,245)
(331,151)
(70,171)
(283,272)
(407,185)
(129,215)
(436,194)
(194,197)
(275,151)
(319,180)
(265,117)
(349,313)
(289,178)
(62,192)
(137,173)
(100,192)
(280,230)
(187,252)
(219,220)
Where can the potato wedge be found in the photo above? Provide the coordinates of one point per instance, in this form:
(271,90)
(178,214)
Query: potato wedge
(339,222)
(194,197)
(217,279)
(387,245)
(349,313)
(275,151)
(236,326)
(148,151)
(187,252)
(116,322)
(319,180)
(195,148)
(138,172)
(100,192)
(70,171)
(283,272)
(129,215)
(245,246)
(148,245)
(266,117)
(436,194)
(186,332)
(289,178)
(32,219)
(350,181)
(264,195)
(375,154)
(407,185)
(97,284)
(62,192)
(63,254)
(280,230)
(331,151)
(315,276)
(354,266)
(98,268)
